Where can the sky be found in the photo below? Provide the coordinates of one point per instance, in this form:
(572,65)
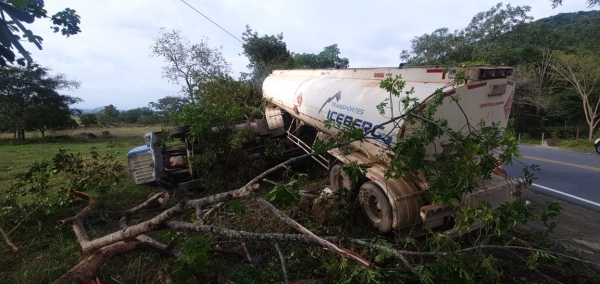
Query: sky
(111,56)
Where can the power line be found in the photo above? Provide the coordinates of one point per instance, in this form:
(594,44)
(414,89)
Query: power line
(212,21)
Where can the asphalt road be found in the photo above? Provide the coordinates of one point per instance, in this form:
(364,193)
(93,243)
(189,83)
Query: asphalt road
(571,176)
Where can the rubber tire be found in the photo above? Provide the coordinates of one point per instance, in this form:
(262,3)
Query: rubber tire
(598,148)
(179,131)
(189,185)
(370,196)
(338,178)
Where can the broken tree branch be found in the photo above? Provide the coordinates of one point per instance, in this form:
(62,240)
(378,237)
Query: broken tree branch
(7,241)
(91,201)
(154,223)
(248,257)
(160,198)
(283,266)
(85,271)
(199,215)
(311,235)
(160,247)
(213,209)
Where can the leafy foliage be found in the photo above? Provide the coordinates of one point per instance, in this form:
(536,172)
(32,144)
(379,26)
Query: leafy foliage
(47,186)
(328,58)
(265,54)
(285,195)
(488,38)
(29,100)
(194,64)
(20,12)
(108,115)
(169,107)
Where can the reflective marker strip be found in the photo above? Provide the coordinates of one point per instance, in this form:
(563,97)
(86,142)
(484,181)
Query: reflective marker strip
(475,86)
(566,194)
(438,70)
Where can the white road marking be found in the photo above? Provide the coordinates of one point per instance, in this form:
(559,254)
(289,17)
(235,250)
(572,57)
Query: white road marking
(566,194)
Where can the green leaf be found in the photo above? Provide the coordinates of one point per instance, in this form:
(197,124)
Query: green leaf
(19,3)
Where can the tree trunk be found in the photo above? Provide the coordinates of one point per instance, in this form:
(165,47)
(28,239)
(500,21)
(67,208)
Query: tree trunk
(42,131)
(85,271)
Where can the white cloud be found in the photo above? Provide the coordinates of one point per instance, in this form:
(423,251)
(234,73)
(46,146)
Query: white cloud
(111,55)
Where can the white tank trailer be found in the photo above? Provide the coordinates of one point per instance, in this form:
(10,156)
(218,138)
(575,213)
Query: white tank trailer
(350,97)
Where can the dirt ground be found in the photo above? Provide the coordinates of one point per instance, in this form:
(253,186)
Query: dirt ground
(578,228)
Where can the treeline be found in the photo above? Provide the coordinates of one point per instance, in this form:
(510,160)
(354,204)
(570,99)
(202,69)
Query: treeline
(557,62)
(164,111)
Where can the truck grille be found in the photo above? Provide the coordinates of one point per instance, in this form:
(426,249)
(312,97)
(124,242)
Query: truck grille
(140,167)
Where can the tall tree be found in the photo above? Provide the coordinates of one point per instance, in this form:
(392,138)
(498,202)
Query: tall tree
(187,63)
(29,94)
(328,58)
(582,74)
(88,119)
(132,115)
(52,113)
(108,115)
(265,54)
(487,38)
(15,13)
(169,107)
(535,88)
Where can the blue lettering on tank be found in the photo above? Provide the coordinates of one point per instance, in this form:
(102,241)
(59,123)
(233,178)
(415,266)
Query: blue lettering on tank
(367,126)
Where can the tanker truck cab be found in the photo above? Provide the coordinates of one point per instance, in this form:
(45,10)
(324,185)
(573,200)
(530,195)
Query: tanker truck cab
(349,98)
(166,165)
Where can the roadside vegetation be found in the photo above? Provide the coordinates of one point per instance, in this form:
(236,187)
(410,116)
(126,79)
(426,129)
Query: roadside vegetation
(70,214)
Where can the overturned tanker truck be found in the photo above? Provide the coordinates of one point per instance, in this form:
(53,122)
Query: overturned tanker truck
(302,101)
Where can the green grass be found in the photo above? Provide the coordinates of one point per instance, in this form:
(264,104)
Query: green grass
(580,145)
(18,155)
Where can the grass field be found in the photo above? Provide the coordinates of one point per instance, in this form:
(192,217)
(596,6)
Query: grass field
(17,155)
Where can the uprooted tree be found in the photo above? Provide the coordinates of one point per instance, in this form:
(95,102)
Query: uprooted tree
(438,258)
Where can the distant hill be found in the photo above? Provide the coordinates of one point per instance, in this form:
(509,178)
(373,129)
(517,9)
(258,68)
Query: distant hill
(565,31)
(570,20)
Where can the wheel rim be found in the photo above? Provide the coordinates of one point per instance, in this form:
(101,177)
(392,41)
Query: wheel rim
(373,208)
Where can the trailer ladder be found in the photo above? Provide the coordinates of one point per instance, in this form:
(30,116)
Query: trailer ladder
(296,140)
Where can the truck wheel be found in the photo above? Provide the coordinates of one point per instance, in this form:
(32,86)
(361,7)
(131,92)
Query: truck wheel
(376,206)
(179,131)
(189,185)
(338,178)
